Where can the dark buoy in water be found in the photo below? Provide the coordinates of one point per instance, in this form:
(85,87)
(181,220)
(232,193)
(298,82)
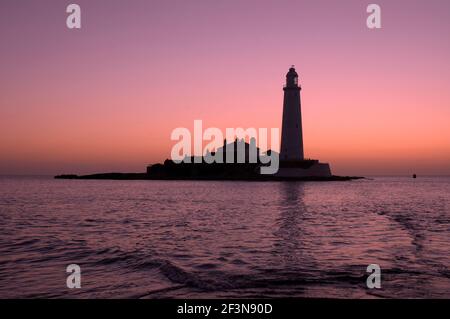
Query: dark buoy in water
(414,176)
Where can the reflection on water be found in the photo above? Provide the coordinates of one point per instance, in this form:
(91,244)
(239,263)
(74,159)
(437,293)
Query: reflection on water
(290,226)
(156,239)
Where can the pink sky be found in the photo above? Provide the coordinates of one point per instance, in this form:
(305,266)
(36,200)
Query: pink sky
(106,97)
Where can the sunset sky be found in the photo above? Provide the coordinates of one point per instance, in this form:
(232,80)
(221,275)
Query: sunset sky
(107,97)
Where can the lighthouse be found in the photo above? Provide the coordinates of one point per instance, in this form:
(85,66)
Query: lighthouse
(292,159)
(291,132)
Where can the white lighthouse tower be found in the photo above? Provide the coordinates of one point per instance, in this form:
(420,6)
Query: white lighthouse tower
(292,160)
(291,133)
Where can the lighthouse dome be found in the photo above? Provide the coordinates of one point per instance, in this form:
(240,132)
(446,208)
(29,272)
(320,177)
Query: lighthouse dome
(292,78)
(292,72)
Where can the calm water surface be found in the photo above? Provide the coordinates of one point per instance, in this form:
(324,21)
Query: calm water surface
(159,239)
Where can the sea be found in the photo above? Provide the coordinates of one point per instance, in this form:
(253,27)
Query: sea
(225,239)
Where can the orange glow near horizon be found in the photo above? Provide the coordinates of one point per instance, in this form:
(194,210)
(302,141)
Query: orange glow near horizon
(107,97)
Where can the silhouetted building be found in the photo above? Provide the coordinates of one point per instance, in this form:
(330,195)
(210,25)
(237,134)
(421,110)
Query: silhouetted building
(241,160)
(292,160)
(291,133)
